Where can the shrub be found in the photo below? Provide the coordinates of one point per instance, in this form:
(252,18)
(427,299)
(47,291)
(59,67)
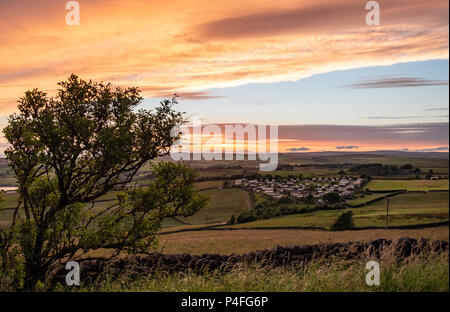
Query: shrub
(344,222)
(246,216)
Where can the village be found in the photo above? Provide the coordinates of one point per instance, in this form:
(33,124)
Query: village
(298,188)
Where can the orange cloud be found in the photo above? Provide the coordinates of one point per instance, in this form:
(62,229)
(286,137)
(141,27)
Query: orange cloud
(189,46)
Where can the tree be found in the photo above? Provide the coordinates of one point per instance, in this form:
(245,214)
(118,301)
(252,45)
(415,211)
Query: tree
(407,167)
(344,222)
(67,151)
(332,198)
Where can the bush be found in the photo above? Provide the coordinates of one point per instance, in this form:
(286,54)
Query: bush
(344,222)
(246,216)
(332,198)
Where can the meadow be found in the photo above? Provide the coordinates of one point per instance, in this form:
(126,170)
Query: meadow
(408,185)
(223,241)
(208,232)
(405,209)
(408,209)
(366,198)
(222,205)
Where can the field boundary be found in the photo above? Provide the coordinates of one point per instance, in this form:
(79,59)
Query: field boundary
(376,199)
(219,227)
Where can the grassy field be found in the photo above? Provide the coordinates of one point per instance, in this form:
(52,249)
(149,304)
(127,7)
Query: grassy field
(208,184)
(223,204)
(405,209)
(409,185)
(365,199)
(425,272)
(241,241)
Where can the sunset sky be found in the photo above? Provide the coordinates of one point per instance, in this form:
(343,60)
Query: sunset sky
(315,68)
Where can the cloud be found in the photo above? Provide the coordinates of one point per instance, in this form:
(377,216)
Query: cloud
(346,147)
(317,17)
(437,109)
(416,134)
(298,149)
(386,117)
(210,44)
(188,95)
(397,82)
(435,149)
(392,117)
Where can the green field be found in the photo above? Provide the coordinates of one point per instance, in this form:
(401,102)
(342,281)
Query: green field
(365,199)
(208,184)
(405,209)
(223,204)
(409,185)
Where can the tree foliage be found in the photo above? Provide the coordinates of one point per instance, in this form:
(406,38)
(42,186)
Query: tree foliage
(332,198)
(344,222)
(68,150)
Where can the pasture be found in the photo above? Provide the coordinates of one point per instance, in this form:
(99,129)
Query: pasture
(223,204)
(408,185)
(405,209)
(246,240)
(365,199)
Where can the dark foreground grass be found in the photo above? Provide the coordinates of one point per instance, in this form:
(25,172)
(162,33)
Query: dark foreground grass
(422,273)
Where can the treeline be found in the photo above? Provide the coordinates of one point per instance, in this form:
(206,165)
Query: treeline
(326,166)
(384,170)
(251,176)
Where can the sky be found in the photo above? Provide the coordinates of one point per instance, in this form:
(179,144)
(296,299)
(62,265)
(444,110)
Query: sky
(314,68)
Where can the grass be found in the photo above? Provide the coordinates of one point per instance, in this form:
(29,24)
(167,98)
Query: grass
(365,199)
(242,240)
(422,273)
(405,209)
(409,185)
(208,184)
(223,204)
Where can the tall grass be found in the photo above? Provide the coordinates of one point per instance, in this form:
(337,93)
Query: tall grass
(424,272)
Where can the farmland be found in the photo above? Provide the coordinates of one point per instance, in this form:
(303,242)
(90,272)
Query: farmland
(223,203)
(247,240)
(208,230)
(406,209)
(408,185)
(366,198)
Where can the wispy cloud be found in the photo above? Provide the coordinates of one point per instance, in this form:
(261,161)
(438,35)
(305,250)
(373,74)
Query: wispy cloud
(426,134)
(209,44)
(298,149)
(348,147)
(189,95)
(386,117)
(437,109)
(434,149)
(397,82)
